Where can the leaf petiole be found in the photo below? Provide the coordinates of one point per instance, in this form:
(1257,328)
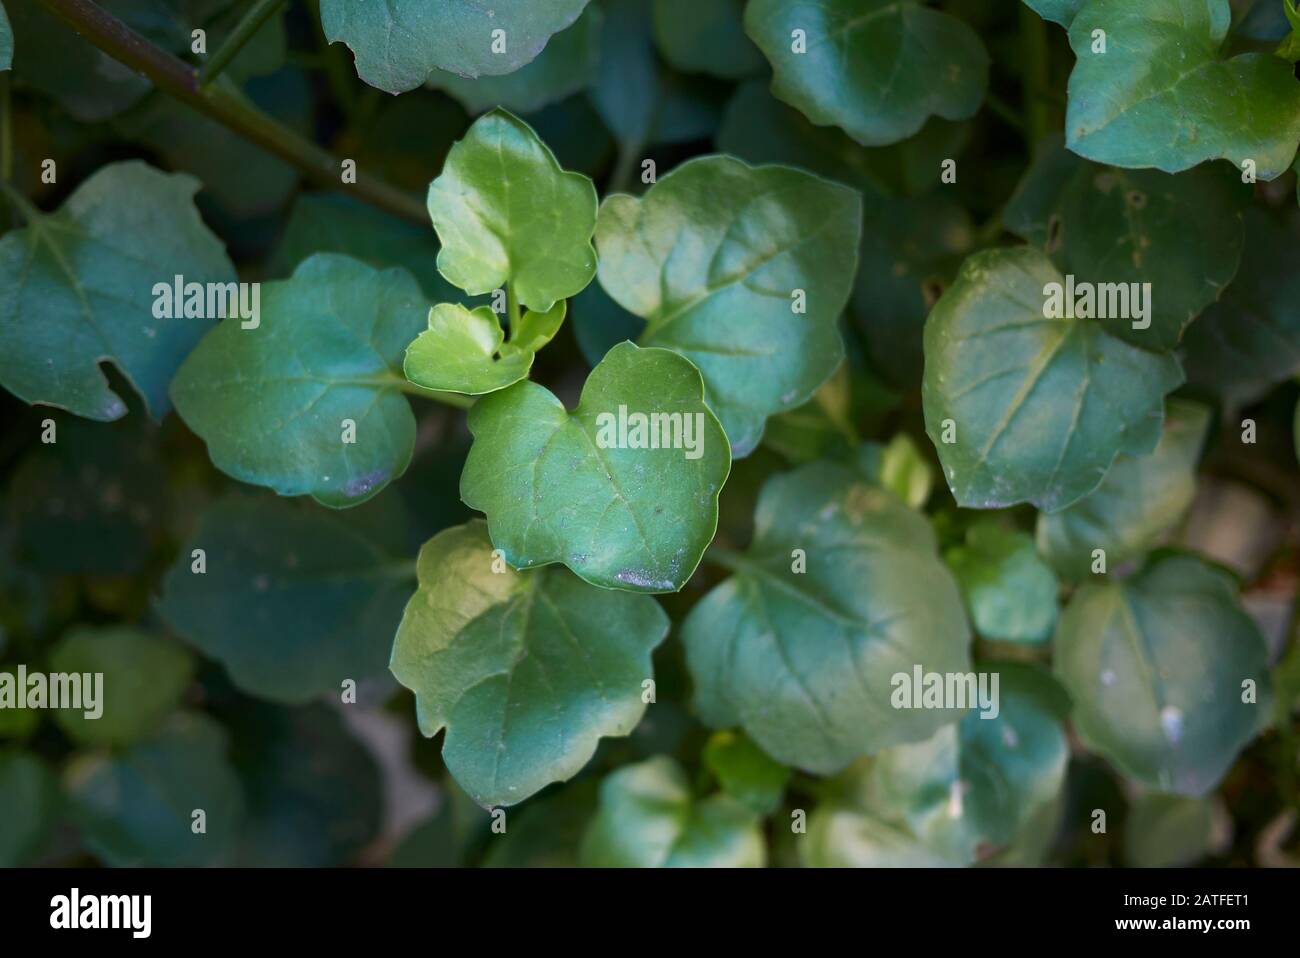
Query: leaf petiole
(248,24)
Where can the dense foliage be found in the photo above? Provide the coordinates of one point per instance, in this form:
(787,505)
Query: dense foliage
(751,374)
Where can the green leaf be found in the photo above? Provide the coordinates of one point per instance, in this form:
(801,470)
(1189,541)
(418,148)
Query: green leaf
(1106,225)
(273,402)
(1156,666)
(802,660)
(584,489)
(6,48)
(526,671)
(1009,591)
(1140,500)
(136,807)
(705,38)
(548,832)
(1035,409)
(844,837)
(1167,831)
(463,351)
(713,257)
(821,428)
(648,818)
(566,66)
(899,467)
(399,44)
(535,236)
(1161,95)
(77,288)
(1250,340)
(745,772)
(293,600)
(29,800)
(875,68)
(15,723)
(143,679)
(1058,11)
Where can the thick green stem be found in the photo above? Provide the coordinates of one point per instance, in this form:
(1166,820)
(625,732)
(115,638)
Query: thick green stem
(248,25)
(225,105)
(512,310)
(1033,44)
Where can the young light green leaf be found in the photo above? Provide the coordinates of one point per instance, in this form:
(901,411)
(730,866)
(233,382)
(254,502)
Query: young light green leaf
(77,287)
(744,271)
(1167,831)
(137,807)
(705,38)
(875,68)
(1026,408)
(899,467)
(1009,591)
(1140,500)
(507,213)
(623,490)
(745,772)
(566,66)
(1128,228)
(1168,675)
(464,351)
(308,401)
(648,818)
(1153,90)
(526,671)
(29,803)
(1058,11)
(841,836)
(1250,340)
(291,599)
(841,589)
(144,677)
(400,43)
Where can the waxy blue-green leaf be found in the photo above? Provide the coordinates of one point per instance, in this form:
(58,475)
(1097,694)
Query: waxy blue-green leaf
(623,490)
(1059,11)
(464,350)
(137,807)
(705,38)
(648,818)
(1106,225)
(144,677)
(1026,408)
(1140,500)
(1010,592)
(77,288)
(1249,341)
(399,44)
(1167,831)
(309,401)
(29,802)
(566,66)
(6,41)
(526,671)
(1168,674)
(841,589)
(714,257)
(292,599)
(875,68)
(1159,93)
(506,213)
(744,771)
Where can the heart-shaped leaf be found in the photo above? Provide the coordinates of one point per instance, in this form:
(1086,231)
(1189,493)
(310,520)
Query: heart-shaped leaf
(77,289)
(463,350)
(623,490)
(399,44)
(137,807)
(1140,499)
(506,213)
(1106,225)
(744,271)
(29,797)
(309,400)
(1009,591)
(527,671)
(144,677)
(292,600)
(648,818)
(705,38)
(1168,675)
(1026,408)
(1153,90)
(841,589)
(875,68)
